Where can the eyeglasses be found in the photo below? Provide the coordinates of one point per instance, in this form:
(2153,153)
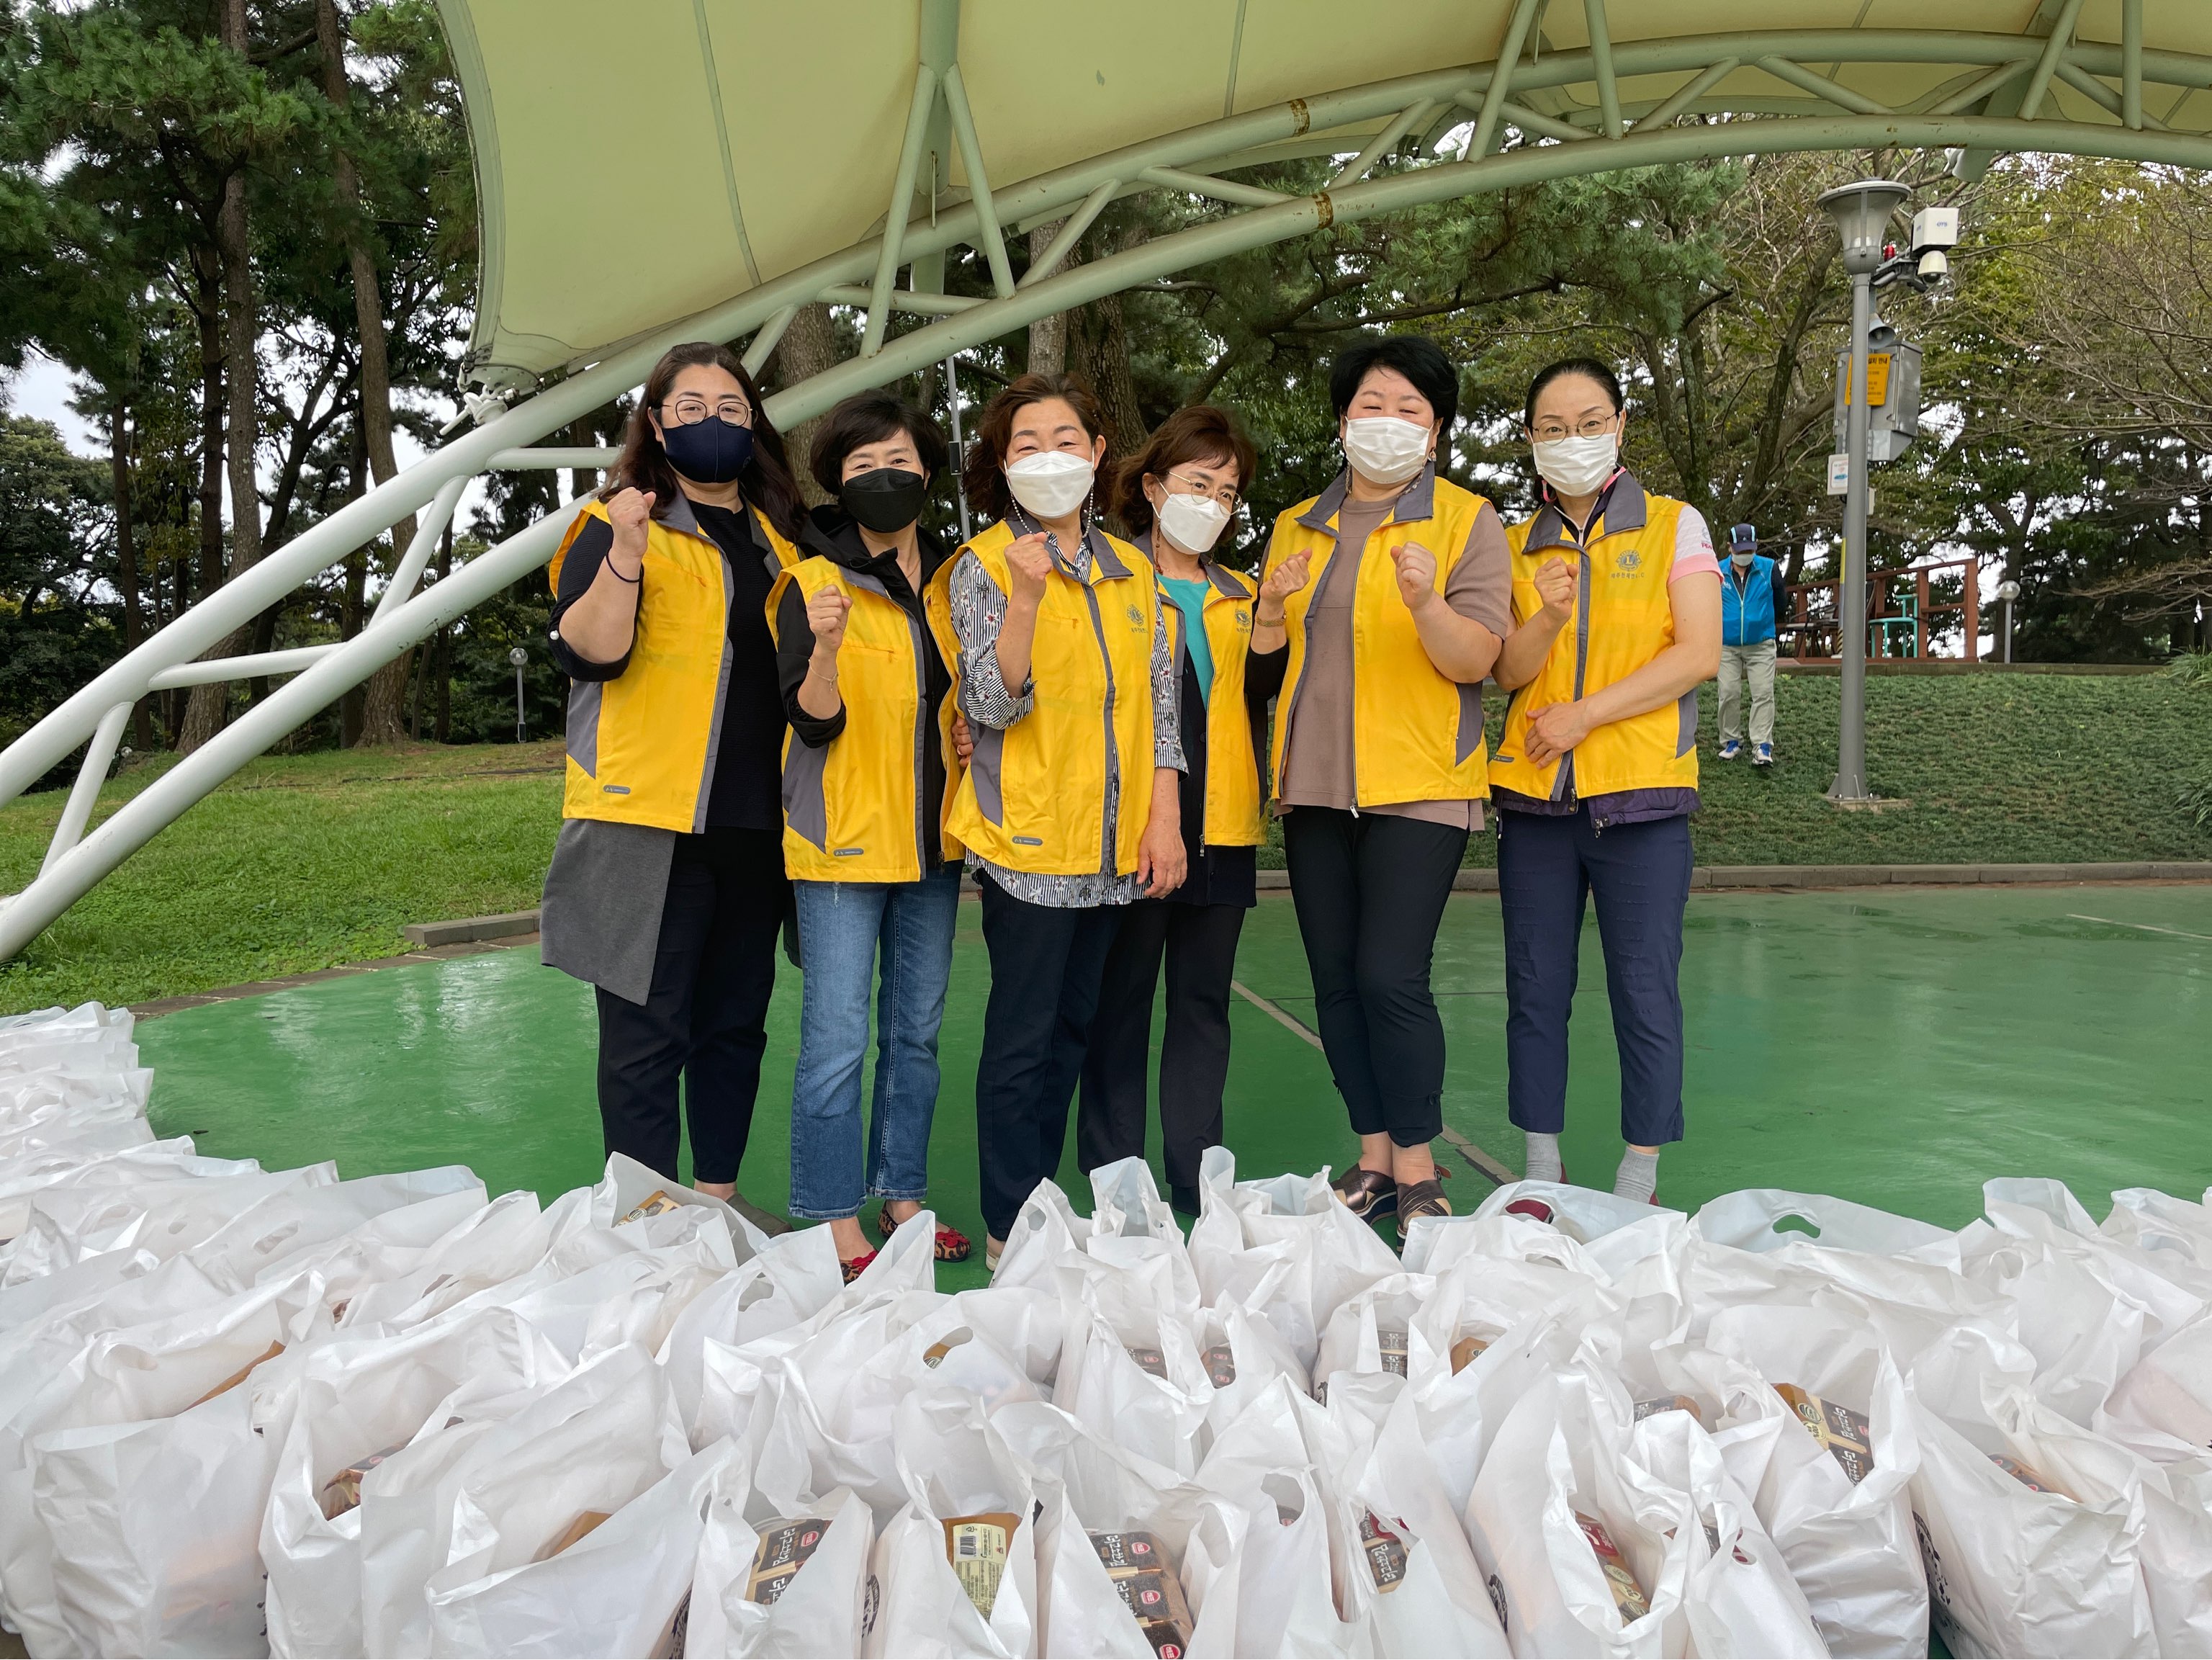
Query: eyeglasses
(691,409)
(1593,426)
(1225,494)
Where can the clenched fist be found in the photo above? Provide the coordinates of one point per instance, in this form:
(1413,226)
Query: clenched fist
(825,614)
(1556,582)
(1417,576)
(1031,561)
(1285,580)
(630,513)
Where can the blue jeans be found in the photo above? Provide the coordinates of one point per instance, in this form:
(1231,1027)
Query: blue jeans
(841,925)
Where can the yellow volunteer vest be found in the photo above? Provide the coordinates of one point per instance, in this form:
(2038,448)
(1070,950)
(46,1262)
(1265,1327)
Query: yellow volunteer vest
(1417,735)
(1233,807)
(853,809)
(1623,620)
(641,746)
(1034,797)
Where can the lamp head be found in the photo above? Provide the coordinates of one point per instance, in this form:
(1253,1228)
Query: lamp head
(1861,212)
(518,657)
(2007,590)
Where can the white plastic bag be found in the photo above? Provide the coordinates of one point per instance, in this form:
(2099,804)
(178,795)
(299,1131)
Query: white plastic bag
(1749,1219)
(954,1464)
(1850,1546)
(1129,1367)
(624,1588)
(823,1610)
(357,1396)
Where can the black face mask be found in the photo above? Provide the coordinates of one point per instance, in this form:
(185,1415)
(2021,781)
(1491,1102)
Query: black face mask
(708,452)
(885,501)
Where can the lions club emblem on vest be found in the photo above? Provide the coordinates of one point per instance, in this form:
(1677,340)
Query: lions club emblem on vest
(1627,562)
(1136,617)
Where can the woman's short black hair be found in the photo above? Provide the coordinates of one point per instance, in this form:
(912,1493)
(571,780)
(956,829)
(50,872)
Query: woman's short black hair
(869,417)
(1589,367)
(1416,357)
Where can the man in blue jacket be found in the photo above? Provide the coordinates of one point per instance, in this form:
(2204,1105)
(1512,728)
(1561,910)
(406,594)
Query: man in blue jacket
(1748,619)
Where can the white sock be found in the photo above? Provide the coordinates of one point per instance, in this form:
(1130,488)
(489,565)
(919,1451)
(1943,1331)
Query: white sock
(1543,1158)
(1637,1178)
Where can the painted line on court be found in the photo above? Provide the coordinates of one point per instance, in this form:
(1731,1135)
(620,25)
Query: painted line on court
(2143,927)
(1475,1156)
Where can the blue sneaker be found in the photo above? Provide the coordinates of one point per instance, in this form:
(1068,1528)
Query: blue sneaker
(1731,749)
(1763,755)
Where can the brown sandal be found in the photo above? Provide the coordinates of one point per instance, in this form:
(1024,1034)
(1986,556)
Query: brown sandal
(1366,1194)
(1419,1198)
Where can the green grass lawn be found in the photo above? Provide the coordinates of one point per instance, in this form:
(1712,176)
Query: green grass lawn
(302,862)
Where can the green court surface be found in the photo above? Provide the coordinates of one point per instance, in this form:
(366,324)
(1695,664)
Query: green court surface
(1895,1047)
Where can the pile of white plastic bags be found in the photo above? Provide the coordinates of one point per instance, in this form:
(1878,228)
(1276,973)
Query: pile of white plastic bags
(248,1412)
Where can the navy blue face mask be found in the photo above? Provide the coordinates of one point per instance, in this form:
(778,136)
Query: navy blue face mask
(708,452)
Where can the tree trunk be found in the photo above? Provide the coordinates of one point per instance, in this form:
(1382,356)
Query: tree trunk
(205,707)
(126,555)
(1098,349)
(1048,335)
(808,348)
(385,702)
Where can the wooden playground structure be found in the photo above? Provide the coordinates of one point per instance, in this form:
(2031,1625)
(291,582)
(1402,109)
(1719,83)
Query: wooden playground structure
(1907,612)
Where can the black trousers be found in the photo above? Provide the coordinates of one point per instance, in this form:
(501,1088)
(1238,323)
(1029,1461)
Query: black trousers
(1370,891)
(706,1018)
(1046,964)
(1199,943)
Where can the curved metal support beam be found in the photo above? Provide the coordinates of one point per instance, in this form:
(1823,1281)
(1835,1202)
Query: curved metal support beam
(1182,161)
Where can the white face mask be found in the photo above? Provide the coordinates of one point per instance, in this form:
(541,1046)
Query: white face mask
(1385,450)
(1192,523)
(1577,466)
(1742,561)
(1051,484)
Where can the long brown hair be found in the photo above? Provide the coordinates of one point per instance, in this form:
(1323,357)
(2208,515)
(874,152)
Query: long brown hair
(982,474)
(643,464)
(1202,433)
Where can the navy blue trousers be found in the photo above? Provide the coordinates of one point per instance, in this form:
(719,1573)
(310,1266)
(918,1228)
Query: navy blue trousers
(1548,868)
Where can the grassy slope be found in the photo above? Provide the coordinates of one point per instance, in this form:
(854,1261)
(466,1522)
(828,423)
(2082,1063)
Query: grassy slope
(306,862)
(299,863)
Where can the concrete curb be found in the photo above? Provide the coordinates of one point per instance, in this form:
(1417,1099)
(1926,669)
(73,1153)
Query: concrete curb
(468,930)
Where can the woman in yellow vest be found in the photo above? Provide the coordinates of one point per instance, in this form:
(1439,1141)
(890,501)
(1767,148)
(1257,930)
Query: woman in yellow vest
(1390,588)
(865,783)
(1068,809)
(666,890)
(1178,495)
(1617,613)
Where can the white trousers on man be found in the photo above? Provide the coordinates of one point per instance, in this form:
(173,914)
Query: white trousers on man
(1755,664)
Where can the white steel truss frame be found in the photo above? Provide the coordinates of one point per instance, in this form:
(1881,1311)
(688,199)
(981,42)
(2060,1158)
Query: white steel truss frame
(1984,109)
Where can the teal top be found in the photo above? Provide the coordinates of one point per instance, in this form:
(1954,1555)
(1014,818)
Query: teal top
(1188,596)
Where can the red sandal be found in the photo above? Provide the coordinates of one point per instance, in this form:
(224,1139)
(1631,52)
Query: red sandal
(859,1265)
(952,1245)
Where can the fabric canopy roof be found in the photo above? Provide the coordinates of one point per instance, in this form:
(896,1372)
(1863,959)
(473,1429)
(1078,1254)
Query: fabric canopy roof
(641,164)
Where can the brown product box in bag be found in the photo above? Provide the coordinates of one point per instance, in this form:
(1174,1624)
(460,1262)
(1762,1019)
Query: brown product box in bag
(1653,1408)
(669,1646)
(1220,1366)
(1628,1598)
(1835,1427)
(343,1491)
(1464,1349)
(2027,1475)
(240,1376)
(785,1545)
(1384,1550)
(656,1203)
(568,1535)
(976,1548)
(1137,1565)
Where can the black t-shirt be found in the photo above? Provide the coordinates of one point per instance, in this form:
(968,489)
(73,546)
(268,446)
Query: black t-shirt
(747,792)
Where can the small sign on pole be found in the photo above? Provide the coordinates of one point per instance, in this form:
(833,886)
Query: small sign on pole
(1839,474)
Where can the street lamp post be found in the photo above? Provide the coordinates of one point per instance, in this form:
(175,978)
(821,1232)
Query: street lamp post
(520,658)
(2007,590)
(1862,214)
